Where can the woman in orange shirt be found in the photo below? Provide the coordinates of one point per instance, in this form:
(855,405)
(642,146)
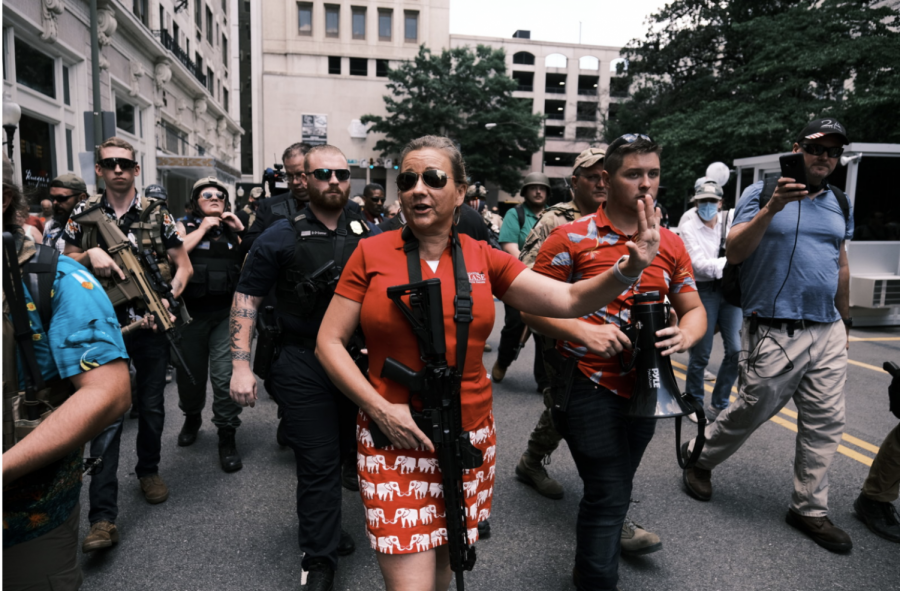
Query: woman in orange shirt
(400,485)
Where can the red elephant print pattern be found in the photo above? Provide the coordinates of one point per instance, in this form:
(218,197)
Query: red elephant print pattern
(403,495)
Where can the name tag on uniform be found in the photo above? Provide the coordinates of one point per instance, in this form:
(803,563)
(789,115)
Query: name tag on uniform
(204,245)
(313,233)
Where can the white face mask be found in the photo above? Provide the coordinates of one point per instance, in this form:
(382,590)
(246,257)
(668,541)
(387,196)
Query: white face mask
(707,211)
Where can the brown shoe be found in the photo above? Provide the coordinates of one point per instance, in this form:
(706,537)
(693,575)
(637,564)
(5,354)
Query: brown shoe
(822,531)
(636,541)
(697,481)
(155,490)
(498,372)
(103,535)
(530,470)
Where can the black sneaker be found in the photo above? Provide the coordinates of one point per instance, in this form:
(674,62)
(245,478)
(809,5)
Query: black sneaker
(880,517)
(189,430)
(346,546)
(320,575)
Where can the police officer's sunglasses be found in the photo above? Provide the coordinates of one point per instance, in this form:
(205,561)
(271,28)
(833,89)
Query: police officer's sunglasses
(628,138)
(436,179)
(112,163)
(324,174)
(818,150)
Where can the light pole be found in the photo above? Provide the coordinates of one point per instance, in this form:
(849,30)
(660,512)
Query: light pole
(543,137)
(12,113)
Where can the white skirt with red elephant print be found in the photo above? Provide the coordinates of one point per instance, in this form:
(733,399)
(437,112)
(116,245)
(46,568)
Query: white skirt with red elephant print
(403,495)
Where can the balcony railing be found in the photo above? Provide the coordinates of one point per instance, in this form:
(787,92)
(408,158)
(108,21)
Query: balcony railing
(525,88)
(556,89)
(587,91)
(172,45)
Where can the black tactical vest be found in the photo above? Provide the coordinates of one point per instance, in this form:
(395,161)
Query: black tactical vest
(217,268)
(305,286)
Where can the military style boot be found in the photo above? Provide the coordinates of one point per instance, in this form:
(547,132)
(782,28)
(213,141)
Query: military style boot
(531,471)
(228,453)
(189,430)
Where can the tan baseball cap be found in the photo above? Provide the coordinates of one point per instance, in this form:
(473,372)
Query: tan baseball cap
(589,157)
(70,181)
(708,190)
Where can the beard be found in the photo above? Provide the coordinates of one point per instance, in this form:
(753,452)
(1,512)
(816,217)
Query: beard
(330,200)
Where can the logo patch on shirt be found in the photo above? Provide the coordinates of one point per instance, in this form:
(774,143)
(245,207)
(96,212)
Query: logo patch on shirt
(476,278)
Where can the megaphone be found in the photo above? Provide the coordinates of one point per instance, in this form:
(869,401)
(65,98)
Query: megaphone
(656,394)
(848,158)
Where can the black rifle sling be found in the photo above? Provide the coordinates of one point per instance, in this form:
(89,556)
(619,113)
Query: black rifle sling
(462,303)
(40,273)
(15,296)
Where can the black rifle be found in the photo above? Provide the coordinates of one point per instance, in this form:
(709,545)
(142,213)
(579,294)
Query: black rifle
(437,385)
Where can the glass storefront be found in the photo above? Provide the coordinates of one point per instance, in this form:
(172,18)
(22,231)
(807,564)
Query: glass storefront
(38,157)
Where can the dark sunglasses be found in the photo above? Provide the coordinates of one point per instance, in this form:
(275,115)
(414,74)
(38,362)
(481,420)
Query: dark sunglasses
(61,198)
(324,174)
(112,163)
(628,138)
(213,195)
(818,150)
(374,200)
(436,179)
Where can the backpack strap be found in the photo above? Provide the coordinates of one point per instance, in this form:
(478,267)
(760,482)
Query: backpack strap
(39,274)
(843,202)
(520,211)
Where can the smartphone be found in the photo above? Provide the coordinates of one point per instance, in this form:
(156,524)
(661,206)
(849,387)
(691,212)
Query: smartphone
(793,166)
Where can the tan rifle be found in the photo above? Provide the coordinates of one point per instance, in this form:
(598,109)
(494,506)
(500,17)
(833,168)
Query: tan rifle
(143,281)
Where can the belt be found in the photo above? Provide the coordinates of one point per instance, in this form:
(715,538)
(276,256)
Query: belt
(786,323)
(297,340)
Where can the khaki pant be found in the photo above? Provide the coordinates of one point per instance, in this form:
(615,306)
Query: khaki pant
(47,563)
(816,385)
(883,482)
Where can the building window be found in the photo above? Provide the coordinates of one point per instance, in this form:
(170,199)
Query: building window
(174,139)
(225,99)
(332,20)
(586,133)
(525,81)
(555,60)
(209,25)
(70,160)
(555,109)
(139,8)
(587,111)
(411,26)
(35,69)
(555,83)
(560,159)
(209,79)
(359,22)
(67,97)
(198,13)
(381,68)
(555,131)
(618,86)
(587,85)
(589,62)
(385,23)
(38,155)
(334,64)
(125,115)
(304,18)
(359,66)
(162,18)
(198,59)
(224,50)
(524,58)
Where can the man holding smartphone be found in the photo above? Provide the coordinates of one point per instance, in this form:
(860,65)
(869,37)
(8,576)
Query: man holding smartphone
(795,284)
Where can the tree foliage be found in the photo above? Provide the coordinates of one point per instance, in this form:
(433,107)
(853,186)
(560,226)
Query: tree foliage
(719,80)
(455,94)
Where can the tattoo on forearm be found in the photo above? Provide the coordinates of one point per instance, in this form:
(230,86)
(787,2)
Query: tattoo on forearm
(243,313)
(235,327)
(176,285)
(240,356)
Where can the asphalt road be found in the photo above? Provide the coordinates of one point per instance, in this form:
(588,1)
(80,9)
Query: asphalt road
(237,531)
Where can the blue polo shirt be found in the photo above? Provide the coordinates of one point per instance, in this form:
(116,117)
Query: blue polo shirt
(810,288)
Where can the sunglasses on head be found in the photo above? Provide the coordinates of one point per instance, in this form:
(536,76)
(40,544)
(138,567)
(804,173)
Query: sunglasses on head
(436,179)
(213,195)
(628,138)
(324,174)
(818,150)
(112,163)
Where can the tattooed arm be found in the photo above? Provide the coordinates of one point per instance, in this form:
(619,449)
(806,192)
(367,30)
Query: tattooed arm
(243,316)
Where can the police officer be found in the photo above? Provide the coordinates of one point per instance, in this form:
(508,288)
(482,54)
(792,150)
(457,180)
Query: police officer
(81,359)
(303,258)
(212,242)
(247,214)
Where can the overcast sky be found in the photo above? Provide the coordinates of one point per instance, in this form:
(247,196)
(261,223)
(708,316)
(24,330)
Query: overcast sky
(603,22)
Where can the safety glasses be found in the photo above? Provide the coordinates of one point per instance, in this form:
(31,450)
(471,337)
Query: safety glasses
(324,174)
(628,138)
(436,179)
(112,163)
(818,150)
(208,195)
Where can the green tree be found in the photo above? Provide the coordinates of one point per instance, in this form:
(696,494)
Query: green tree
(717,80)
(455,94)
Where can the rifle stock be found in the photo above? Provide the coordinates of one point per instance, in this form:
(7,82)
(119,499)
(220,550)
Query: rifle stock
(143,281)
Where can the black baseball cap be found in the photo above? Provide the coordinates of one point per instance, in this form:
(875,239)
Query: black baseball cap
(821,128)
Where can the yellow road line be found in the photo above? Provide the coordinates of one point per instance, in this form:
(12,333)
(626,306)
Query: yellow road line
(850,453)
(865,339)
(866,365)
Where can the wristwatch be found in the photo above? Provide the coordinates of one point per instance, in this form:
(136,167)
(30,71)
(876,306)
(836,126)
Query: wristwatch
(848,322)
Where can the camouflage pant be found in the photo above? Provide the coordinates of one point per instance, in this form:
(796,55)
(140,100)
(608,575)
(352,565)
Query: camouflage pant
(544,439)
